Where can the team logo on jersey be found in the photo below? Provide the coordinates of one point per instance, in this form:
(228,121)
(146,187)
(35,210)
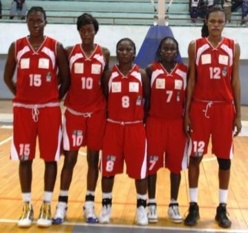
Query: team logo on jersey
(223,59)
(178,96)
(48,77)
(178,84)
(78,68)
(116,87)
(133,87)
(224,71)
(206,59)
(139,101)
(95,68)
(25,63)
(43,63)
(160,83)
(111,158)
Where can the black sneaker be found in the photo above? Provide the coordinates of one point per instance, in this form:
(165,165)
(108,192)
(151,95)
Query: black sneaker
(193,215)
(221,216)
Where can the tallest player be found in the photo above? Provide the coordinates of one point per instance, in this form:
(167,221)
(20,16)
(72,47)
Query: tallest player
(212,109)
(85,115)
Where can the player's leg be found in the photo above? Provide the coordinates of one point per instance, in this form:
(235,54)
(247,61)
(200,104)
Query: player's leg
(23,149)
(49,136)
(73,139)
(135,150)
(156,141)
(95,132)
(111,164)
(222,141)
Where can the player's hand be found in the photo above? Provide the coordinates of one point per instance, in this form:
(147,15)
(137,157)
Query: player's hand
(237,126)
(187,126)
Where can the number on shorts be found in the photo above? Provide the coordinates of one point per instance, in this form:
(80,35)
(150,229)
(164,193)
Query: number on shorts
(77,139)
(198,146)
(152,164)
(24,149)
(110,166)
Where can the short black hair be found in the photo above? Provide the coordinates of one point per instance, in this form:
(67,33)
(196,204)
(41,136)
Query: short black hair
(36,9)
(85,19)
(129,40)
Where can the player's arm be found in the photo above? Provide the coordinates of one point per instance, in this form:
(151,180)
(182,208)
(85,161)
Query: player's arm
(106,55)
(190,87)
(146,92)
(105,80)
(9,69)
(68,51)
(236,91)
(64,72)
(149,71)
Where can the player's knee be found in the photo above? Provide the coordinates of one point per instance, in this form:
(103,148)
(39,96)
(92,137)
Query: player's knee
(224,164)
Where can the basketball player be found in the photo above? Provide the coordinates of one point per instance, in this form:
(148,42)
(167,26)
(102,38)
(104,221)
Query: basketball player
(212,109)
(166,139)
(85,115)
(127,92)
(36,108)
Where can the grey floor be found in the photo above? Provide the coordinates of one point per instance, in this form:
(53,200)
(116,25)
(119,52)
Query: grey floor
(147,229)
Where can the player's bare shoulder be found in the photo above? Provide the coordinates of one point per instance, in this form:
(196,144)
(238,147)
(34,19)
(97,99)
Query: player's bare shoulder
(106,52)
(143,72)
(68,50)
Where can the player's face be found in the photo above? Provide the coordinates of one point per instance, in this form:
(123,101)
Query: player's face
(87,33)
(36,23)
(216,23)
(168,50)
(125,52)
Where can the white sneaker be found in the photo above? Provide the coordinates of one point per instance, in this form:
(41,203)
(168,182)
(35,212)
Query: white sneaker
(26,218)
(60,214)
(141,216)
(152,213)
(174,214)
(45,217)
(105,214)
(89,212)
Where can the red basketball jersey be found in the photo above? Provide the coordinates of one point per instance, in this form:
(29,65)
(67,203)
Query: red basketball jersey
(214,68)
(125,100)
(168,91)
(85,93)
(37,81)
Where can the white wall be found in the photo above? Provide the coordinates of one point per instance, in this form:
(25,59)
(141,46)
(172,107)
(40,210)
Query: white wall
(108,36)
